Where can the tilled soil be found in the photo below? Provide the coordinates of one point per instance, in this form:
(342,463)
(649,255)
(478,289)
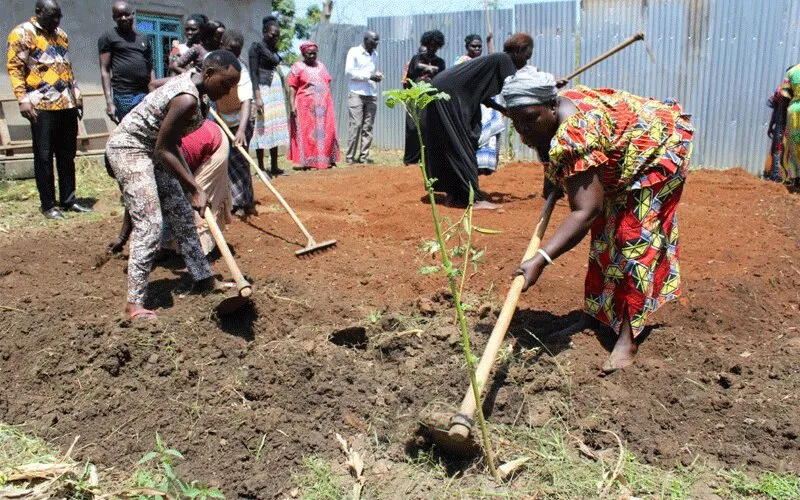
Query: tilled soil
(356,341)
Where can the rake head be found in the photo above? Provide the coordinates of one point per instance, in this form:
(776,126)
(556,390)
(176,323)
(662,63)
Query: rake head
(313,247)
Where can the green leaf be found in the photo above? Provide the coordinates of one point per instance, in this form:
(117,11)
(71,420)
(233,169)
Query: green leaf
(486,231)
(192,492)
(458,251)
(168,471)
(429,269)
(213,493)
(174,453)
(429,247)
(148,456)
(453,272)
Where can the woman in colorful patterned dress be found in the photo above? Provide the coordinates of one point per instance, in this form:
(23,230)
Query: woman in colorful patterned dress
(313,123)
(144,156)
(272,125)
(622,160)
(789,106)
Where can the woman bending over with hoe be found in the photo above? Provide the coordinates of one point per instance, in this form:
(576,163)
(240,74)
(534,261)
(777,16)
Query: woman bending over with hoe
(143,154)
(622,161)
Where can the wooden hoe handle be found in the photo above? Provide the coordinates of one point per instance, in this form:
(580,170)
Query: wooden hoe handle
(263,177)
(635,38)
(243,286)
(462,421)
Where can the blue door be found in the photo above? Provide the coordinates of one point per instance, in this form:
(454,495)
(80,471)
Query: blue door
(161,30)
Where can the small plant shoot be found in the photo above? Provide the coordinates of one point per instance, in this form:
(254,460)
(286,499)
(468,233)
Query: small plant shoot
(414,99)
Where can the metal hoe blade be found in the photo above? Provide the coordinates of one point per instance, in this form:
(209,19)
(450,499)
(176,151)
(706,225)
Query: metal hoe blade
(449,444)
(232,304)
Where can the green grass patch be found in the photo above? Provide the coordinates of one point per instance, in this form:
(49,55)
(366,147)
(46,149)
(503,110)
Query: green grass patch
(768,485)
(317,481)
(28,464)
(31,468)
(19,199)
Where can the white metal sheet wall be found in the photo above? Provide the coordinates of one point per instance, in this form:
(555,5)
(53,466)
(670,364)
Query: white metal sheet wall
(720,58)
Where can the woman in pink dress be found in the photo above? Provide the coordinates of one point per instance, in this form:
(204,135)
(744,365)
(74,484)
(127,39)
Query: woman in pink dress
(313,122)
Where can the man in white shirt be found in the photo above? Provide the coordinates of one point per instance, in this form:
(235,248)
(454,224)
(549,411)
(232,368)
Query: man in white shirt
(362,100)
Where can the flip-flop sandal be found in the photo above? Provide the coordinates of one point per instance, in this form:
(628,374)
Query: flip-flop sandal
(146,314)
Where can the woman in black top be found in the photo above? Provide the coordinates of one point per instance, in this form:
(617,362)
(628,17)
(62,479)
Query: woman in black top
(422,68)
(272,125)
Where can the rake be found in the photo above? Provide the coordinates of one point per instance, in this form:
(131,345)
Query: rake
(311,245)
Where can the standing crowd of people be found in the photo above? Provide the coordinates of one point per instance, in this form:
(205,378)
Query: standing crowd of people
(620,159)
(167,153)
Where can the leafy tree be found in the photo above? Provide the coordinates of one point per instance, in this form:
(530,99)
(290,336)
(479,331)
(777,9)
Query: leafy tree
(293,27)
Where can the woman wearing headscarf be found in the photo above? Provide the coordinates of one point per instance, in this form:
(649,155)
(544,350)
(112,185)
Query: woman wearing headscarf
(622,161)
(313,122)
(492,125)
(272,126)
(144,156)
(210,36)
(421,68)
(451,128)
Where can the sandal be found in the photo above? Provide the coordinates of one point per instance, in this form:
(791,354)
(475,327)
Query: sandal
(142,314)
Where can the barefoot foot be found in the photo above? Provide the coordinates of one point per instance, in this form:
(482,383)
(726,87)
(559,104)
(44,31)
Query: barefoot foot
(623,354)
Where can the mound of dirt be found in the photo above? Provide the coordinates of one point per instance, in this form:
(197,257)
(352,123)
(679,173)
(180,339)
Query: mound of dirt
(356,341)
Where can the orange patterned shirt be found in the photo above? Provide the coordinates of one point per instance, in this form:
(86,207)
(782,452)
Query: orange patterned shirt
(39,68)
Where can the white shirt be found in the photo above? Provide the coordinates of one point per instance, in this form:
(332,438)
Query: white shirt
(359,66)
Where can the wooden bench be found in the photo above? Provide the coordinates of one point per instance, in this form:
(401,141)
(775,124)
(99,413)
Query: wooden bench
(10,149)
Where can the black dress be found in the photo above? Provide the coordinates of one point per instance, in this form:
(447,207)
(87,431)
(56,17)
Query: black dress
(417,73)
(451,128)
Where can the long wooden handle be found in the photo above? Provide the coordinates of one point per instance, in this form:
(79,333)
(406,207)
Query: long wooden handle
(243,286)
(635,38)
(263,177)
(468,405)
(489,34)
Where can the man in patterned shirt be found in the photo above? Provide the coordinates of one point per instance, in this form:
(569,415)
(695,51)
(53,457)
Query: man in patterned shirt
(49,98)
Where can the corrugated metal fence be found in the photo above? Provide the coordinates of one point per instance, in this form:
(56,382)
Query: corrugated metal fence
(720,58)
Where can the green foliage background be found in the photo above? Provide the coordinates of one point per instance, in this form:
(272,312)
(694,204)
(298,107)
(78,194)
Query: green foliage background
(293,27)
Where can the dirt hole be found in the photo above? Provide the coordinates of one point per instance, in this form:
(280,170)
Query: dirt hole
(353,336)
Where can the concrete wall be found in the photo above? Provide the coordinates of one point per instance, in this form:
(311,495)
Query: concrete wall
(85,20)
